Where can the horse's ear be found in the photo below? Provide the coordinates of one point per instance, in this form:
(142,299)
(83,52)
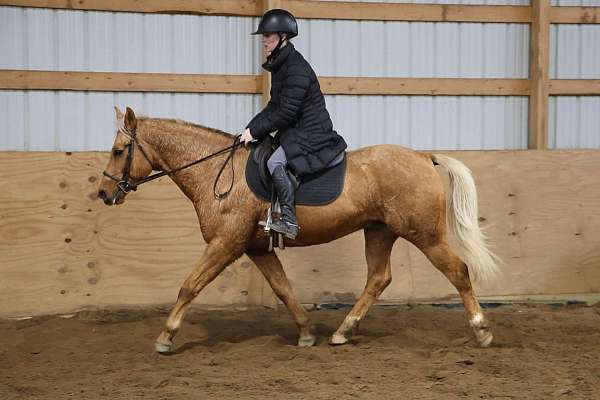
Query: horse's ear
(118,113)
(130,120)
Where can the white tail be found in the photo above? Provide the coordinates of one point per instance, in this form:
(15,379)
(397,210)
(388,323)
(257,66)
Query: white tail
(461,206)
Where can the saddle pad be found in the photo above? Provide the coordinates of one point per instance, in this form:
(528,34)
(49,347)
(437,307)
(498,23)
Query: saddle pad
(314,190)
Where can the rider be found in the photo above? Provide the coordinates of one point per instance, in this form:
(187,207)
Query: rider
(297,111)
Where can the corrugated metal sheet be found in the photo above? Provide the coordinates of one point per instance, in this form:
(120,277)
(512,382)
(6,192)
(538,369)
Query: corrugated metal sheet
(123,42)
(574,121)
(416,49)
(424,122)
(73,121)
(35,38)
(126,42)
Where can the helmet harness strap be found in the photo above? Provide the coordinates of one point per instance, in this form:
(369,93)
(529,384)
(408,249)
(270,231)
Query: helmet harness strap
(279,43)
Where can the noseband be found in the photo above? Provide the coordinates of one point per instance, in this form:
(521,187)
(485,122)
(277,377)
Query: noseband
(125,185)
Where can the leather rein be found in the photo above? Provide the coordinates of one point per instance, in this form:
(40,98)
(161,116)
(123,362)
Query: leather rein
(125,185)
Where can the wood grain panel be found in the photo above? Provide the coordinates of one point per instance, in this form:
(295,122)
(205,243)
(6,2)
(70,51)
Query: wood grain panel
(62,250)
(575,15)
(542,211)
(574,87)
(424,86)
(538,74)
(195,83)
(407,12)
(129,82)
(66,250)
(328,10)
(200,7)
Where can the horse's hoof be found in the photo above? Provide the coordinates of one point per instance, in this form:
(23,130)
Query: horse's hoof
(307,341)
(162,348)
(485,339)
(337,339)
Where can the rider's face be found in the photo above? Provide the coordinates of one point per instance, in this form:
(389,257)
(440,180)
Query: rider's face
(270,41)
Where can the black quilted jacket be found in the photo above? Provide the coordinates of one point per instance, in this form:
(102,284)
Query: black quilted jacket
(297,110)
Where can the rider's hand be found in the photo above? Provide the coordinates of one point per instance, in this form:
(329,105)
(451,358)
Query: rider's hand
(246,136)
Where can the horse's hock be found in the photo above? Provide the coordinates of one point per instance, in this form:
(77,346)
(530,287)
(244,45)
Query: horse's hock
(63,246)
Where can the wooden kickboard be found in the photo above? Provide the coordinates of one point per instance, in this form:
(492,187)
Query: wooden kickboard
(63,250)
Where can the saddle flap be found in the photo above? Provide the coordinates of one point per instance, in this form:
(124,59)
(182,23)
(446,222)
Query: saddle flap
(321,188)
(260,154)
(263,150)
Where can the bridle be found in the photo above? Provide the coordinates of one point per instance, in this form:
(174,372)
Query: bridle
(126,185)
(123,183)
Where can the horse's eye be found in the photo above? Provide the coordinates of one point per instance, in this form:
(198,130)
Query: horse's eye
(117,152)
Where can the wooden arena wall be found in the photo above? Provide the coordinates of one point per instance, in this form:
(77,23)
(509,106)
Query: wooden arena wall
(63,250)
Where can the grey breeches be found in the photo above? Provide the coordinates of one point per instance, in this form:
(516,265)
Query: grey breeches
(278,158)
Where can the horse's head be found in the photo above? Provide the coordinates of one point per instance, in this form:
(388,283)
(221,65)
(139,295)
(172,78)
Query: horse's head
(129,161)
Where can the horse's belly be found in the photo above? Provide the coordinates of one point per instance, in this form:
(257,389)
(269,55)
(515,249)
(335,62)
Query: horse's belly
(324,233)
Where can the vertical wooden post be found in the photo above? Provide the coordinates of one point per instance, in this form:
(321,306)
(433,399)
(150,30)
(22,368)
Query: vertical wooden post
(538,74)
(266,76)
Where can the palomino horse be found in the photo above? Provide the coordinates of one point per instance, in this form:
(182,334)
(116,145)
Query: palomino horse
(389,192)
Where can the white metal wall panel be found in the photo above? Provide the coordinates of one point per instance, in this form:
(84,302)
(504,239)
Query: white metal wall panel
(128,42)
(13,123)
(14,38)
(416,49)
(45,39)
(72,121)
(424,122)
(574,121)
(77,121)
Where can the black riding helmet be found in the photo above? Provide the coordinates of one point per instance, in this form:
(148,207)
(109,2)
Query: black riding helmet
(278,21)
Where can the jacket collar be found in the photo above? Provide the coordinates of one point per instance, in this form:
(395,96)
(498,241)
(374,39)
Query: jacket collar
(279,57)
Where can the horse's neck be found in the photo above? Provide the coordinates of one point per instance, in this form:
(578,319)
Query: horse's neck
(179,144)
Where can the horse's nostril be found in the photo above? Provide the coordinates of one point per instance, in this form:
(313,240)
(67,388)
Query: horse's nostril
(102,194)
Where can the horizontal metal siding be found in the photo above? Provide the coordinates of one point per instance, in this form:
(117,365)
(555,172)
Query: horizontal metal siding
(424,122)
(75,121)
(416,49)
(99,41)
(574,121)
(42,39)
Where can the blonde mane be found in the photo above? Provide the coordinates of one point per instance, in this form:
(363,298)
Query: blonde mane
(185,124)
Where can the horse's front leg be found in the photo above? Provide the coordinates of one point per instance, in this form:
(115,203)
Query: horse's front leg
(270,265)
(216,257)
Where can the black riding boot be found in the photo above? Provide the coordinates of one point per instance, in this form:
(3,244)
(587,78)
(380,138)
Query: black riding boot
(286,193)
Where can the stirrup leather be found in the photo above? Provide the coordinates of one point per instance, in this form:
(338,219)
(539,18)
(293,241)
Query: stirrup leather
(276,239)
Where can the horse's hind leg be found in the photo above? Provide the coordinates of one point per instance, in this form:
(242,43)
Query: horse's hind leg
(378,248)
(216,257)
(444,259)
(270,265)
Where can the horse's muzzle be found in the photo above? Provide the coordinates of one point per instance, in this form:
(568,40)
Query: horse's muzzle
(117,199)
(104,197)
